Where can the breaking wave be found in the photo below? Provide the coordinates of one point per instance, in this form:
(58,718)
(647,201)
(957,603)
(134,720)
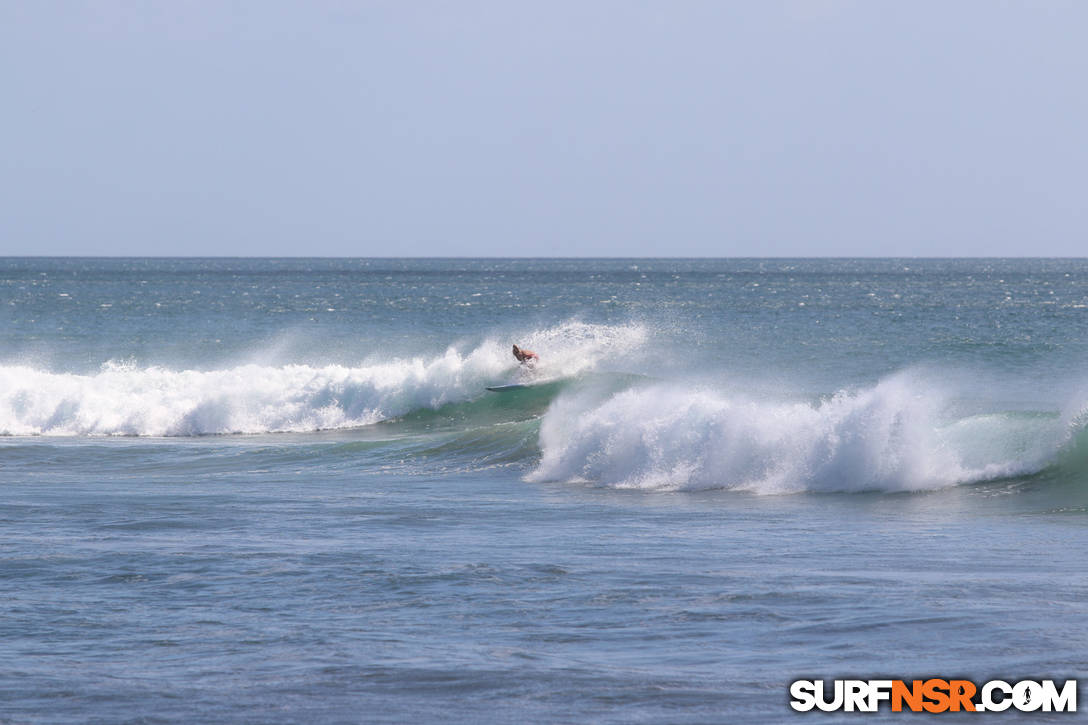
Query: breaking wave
(895,436)
(125,399)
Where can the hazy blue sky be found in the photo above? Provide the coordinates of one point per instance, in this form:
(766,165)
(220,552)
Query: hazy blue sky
(547,128)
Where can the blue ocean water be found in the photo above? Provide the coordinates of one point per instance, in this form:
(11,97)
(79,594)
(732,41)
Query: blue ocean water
(273,491)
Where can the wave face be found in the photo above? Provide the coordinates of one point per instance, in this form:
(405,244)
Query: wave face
(124,399)
(894,436)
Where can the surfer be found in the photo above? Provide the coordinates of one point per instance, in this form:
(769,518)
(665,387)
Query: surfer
(525,357)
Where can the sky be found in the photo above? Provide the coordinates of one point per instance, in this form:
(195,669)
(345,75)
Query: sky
(506,128)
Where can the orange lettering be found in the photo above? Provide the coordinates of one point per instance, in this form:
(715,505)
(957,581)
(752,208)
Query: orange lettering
(912,695)
(937,692)
(961,692)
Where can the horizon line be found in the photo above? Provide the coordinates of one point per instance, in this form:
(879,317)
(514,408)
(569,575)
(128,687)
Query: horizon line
(525,258)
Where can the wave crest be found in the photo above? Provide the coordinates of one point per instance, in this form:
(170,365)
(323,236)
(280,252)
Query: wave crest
(893,436)
(124,399)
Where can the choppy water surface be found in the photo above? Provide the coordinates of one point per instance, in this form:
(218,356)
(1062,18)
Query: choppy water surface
(277,490)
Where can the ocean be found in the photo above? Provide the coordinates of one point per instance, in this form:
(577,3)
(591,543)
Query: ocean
(277,491)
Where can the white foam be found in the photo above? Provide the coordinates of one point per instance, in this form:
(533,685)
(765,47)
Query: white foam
(125,399)
(890,437)
(247,399)
(577,347)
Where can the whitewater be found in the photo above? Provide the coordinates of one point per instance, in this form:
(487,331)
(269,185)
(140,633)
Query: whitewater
(123,399)
(272,490)
(894,435)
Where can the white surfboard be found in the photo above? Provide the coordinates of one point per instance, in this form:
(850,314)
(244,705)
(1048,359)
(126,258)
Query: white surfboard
(505,388)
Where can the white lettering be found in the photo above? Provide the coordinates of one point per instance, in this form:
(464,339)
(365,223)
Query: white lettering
(1064,701)
(855,695)
(804,695)
(823,703)
(1027,696)
(879,690)
(987,695)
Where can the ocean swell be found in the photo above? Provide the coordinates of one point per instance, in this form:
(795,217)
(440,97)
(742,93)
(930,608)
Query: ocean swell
(894,436)
(125,399)
(247,399)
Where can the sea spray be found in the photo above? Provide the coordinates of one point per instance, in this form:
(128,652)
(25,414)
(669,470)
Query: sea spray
(125,399)
(893,436)
(247,399)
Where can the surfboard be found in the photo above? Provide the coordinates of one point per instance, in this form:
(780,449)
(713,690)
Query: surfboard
(504,388)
